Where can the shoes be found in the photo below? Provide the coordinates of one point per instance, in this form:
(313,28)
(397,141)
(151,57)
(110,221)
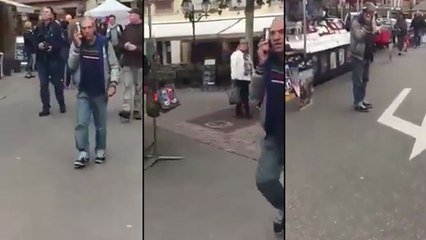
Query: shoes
(361,108)
(62,109)
(137,115)
(367,105)
(44,113)
(100,156)
(82,160)
(279,223)
(124,114)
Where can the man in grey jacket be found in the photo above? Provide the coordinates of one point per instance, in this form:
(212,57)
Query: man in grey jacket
(363,29)
(96,68)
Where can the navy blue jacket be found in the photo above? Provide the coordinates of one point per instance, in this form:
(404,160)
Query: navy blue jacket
(53,35)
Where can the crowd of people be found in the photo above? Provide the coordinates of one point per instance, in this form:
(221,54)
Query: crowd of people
(94,56)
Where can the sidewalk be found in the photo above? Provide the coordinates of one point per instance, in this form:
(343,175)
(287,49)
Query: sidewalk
(197,106)
(211,194)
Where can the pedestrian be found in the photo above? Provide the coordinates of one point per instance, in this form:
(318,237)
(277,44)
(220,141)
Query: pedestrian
(271,88)
(132,62)
(241,74)
(361,50)
(401,32)
(49,41)
(66,50)
(113,34)
(79,15)
(418,24)
(29,49)
(96,76)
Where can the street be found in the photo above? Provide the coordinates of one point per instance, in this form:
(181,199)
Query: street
(348,175)
(42,196)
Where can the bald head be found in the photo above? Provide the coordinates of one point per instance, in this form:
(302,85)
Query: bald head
(277,34)
(68,18)
(88,27)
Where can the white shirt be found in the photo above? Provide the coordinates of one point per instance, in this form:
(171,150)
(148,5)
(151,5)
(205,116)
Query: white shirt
(237,67)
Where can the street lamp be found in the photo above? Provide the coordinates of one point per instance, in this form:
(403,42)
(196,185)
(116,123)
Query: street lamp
(189,13)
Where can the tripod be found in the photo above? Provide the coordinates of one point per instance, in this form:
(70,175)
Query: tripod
(153,157)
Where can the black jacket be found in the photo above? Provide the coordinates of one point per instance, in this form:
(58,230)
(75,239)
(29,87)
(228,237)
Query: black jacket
(52,35)
(29,41)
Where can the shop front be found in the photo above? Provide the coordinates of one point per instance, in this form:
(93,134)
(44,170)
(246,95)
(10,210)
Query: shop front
(10,12)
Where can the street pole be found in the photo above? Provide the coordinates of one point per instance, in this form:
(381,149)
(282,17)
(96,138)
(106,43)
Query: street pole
(304,29)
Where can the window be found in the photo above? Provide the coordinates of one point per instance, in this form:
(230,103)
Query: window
(163,6)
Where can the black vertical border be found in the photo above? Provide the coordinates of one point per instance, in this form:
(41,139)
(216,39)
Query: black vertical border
(142,7)
(285,167)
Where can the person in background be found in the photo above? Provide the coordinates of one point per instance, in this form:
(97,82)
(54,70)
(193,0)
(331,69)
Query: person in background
(241,74)
(49,41)
(113,34)
(132,61)
(401,29)
(93,59)
(271,88)
(66,50)
(418,24)
(72,23)
(29,49)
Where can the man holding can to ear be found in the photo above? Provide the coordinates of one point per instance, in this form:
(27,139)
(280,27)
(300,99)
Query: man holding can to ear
(271,88)
(361,48)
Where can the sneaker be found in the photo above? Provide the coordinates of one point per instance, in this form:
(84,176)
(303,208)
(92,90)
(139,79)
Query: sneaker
(100,156)
(82,160)
(361,108)
(124,114)
(279,223)
(137,115)
(44,113)
(367,105)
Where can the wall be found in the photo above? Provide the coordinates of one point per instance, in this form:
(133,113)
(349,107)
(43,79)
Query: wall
(7,38)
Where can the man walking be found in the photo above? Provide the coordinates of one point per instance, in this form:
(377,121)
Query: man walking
(361,49)
(241,74)
(271,89)
(113,34)
(132,62)
(50,41)
(93,59)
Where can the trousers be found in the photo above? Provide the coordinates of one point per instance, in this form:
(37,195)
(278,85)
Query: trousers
(133,89)
(50,72)
(88,106)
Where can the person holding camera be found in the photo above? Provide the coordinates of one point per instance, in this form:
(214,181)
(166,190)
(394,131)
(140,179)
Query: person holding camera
(96,68)
(361,49)
(49,63)
(271,88)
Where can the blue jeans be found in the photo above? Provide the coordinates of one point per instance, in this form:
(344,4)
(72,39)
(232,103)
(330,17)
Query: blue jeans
(86,106)
(360,77)
(271,164)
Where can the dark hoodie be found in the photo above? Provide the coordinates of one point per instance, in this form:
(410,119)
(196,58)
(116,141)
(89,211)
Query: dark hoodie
(132,33)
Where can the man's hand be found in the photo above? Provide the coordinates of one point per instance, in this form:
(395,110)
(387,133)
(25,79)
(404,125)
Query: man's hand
(77,39)
(41,46)
(263,51)
(111,90)
(130,46)
(49,48)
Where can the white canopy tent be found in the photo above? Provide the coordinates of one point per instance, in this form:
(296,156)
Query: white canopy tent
(108,7)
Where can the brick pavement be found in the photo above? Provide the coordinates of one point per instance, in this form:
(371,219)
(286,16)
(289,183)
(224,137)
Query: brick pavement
(243,141)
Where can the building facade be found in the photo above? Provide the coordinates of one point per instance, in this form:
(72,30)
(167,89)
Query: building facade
(179,49)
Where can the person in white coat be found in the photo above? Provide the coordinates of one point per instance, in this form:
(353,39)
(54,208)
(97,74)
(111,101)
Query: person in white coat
(241,74)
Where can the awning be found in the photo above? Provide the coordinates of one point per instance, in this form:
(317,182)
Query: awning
(21,8)
(260,23)
(208,29)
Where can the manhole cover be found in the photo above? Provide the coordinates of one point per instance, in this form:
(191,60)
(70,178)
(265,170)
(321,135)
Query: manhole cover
(218,124)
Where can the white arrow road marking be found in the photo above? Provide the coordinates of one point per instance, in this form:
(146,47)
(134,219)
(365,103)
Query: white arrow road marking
(404,126)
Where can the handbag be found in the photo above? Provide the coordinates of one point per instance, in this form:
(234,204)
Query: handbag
(233,94)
